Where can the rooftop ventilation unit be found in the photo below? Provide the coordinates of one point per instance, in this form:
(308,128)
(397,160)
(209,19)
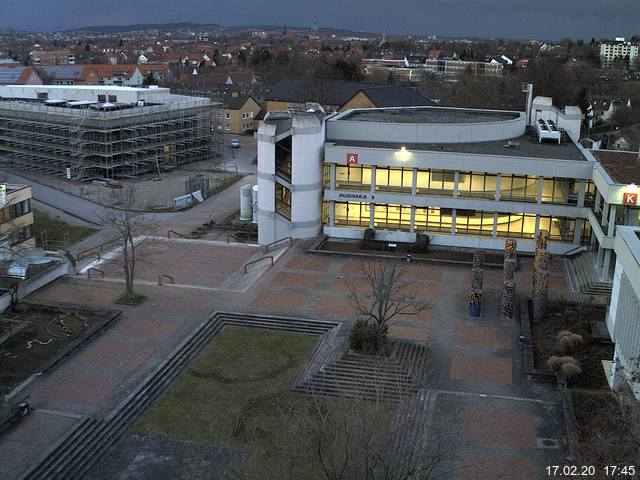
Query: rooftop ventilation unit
(547,130)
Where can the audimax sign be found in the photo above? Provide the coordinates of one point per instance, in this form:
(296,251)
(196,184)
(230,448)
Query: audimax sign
(355,196)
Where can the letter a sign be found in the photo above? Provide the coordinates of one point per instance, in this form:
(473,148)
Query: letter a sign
(630,198)
(352,158)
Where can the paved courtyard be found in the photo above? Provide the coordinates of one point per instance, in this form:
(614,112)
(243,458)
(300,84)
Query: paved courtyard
(496,419)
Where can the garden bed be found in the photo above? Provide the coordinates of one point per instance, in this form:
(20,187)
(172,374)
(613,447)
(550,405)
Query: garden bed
(576,318)
(34,338)
(434,254)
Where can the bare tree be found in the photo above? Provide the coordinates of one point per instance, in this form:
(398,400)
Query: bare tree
(130,226)
(386,295)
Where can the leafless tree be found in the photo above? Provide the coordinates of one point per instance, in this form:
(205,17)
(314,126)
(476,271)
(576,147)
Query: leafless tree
(386,294)
(130,226)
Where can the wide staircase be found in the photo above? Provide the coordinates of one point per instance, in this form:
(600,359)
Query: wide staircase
(585,278)
(368,377)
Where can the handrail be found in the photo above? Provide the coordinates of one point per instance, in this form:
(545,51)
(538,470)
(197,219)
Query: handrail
(269,257)
(100,249)
(176,233)
(573,250)
(161,276)
(287,239)
(101,272)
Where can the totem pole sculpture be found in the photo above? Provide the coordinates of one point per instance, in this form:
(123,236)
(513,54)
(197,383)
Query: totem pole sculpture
(508,280)
(541,276)
(477,274)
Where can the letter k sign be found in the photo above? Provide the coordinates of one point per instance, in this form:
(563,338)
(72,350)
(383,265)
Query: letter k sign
(630,198)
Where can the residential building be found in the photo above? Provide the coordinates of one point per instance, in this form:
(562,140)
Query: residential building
(19,75)
(61,56)
(619,48)
(16,218)
(68,75)
(338,95)
(119,75)
(238,114)
(88,132)
(602,108)
(456,67)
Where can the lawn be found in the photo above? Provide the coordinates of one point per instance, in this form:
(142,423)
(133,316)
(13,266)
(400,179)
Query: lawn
(56,229)
(236,394)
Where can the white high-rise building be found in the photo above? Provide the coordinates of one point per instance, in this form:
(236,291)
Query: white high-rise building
(618,48)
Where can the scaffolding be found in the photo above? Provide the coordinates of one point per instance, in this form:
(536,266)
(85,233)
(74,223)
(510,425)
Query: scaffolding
(86,144)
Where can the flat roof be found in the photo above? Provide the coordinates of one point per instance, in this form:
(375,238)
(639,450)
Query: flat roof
(428,115)
(521,146)
(622,167)
(107,88)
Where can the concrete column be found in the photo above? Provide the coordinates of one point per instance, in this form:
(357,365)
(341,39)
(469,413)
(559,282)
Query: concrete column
(578,231)
(453,222)
(535,235)
(414,184)
(606,265)
(612,221)
(497,188)
(373,179)
(495,225)
(582,191)
(332,179)
(332,213)
(596,207)
(371,214)
(456,181)
(413,220)
(605,215)
(600,256)
(540,184)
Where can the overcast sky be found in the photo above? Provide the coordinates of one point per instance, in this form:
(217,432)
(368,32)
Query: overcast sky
(525,19)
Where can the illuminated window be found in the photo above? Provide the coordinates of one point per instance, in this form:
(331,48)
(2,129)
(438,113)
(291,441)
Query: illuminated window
(521,188)
(435,182)
(351,213)
(392,217)
(394,179)
(326,175)
(589,194)
(353,177)
(560,190)
(283,200)
(471,222)
(517,225)
(479,185)
(559,228)
(431,219)
(325,213)
(283,158)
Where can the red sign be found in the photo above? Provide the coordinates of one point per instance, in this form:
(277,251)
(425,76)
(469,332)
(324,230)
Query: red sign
(629,198)
(352,158)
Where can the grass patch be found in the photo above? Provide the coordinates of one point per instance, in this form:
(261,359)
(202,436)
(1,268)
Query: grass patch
(56,230)
(136,300)
(236,394)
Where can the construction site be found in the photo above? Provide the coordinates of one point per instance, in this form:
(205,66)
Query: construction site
(102,132)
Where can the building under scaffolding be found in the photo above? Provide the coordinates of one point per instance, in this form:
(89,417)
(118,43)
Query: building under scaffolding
(98,132)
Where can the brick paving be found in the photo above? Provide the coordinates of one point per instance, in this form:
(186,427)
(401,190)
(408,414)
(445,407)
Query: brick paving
(476,364)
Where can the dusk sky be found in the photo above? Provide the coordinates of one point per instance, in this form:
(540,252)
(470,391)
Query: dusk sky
(542,19)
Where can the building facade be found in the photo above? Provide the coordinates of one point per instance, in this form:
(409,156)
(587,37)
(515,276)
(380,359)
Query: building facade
(86,132)
(16,217)
(618,49)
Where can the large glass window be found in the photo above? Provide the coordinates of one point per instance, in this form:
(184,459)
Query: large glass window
(351,213)
(389,179)
(392,217)
(560,190)
(283,158)
(560,228)
(326,175)
(589,194)
(325,213)
(517,225)
(15,210)
(283,200)
(471,222)
(520,188)
(435,182)
(474,184)
(431,219)
(353,177)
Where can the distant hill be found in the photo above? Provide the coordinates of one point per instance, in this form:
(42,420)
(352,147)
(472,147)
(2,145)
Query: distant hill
(145,26)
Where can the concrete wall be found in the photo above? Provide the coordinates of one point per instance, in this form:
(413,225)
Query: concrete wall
(569,119)
(87,93)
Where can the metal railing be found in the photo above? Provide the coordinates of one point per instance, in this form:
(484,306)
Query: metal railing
(255,262)
(176,233)
(168,277)
(271,246)
(92,269)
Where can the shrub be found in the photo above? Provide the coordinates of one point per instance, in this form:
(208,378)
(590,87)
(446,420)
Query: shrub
(554,363)
(366,337)
(569,342)
(422,243)
(368,239)
(571,369)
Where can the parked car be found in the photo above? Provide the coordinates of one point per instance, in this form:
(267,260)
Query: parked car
(235,143)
